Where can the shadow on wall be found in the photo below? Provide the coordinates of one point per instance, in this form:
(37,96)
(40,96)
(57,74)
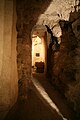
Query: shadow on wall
(53,46)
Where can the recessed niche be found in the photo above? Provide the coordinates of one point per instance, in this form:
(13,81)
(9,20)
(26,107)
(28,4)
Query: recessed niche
(37,54)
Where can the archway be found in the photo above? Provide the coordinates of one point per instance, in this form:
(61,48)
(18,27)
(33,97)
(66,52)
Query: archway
(39,49)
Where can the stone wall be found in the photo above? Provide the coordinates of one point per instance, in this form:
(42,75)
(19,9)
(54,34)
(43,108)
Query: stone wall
(8,66)
(65,63)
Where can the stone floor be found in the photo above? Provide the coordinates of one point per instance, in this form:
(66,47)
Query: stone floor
(43,103)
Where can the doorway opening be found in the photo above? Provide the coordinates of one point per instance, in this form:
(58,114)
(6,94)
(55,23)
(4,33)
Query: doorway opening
(39,49)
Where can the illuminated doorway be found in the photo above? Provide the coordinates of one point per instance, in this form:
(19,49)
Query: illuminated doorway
(39,49)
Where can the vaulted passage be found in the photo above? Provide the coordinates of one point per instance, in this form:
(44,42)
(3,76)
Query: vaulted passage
(39,49)
(40,60)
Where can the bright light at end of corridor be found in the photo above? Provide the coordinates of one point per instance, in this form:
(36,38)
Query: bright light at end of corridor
(38,50)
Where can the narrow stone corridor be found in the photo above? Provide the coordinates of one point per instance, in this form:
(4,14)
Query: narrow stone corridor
(40,36)
(43,103)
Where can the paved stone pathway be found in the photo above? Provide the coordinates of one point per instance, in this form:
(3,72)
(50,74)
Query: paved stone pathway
(42,103)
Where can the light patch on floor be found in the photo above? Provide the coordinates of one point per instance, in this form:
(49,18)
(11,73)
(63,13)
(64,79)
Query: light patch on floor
(45,96)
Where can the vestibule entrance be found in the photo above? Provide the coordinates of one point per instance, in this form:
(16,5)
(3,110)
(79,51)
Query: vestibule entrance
(39,49)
